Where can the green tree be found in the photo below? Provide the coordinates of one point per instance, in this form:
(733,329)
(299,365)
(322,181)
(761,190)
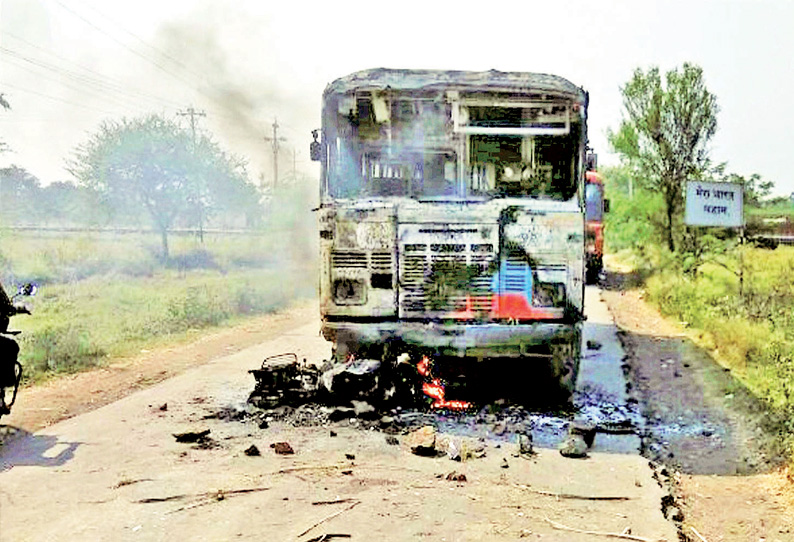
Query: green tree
(665,133)
(153,163)
(19,196)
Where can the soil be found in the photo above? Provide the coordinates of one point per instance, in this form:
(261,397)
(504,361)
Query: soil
(713,435)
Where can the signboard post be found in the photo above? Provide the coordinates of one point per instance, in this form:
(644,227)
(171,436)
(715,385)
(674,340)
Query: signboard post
(717,204)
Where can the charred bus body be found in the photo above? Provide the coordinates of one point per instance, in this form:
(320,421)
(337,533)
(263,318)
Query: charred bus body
(452,217)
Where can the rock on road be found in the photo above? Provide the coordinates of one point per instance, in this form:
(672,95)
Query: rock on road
(117,473)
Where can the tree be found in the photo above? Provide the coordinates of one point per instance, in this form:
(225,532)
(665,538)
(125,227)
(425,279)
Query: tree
(19,196)
(665,133)
(153,163)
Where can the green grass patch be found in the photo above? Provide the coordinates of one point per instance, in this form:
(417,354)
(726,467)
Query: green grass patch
(83,323)
(108,294)
(749,326)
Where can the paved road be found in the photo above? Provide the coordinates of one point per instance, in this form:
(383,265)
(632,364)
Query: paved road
(85,478)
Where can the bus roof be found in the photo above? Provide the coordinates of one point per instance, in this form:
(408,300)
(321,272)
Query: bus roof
(398,79)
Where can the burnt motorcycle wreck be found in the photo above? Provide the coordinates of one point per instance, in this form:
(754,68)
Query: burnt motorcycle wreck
(283,380)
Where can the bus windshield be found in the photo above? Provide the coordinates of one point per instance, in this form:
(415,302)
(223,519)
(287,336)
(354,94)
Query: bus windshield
(425,146)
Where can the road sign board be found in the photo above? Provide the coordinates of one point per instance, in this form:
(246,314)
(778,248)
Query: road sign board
(714,204)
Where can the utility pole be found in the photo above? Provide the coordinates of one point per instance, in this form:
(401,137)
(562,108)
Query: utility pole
(275,140)
(192,113)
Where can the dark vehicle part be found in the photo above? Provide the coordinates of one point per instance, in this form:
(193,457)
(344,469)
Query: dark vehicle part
(10,367)
(282,381)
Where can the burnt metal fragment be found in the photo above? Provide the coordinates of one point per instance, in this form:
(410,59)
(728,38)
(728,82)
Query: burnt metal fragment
(192,436)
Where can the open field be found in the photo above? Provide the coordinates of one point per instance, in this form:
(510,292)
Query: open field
(106,294)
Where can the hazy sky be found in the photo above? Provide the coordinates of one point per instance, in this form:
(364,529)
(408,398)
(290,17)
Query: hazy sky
(67,64)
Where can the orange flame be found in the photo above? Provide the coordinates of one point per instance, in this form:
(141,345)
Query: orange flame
(434,388)
(424,366)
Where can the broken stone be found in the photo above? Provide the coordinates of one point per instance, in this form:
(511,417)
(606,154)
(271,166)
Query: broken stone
(164,407)
(282,448)
(422,441)
(524,444)
(364,410)
(332,433)
(454,448)
(351,457)
(252,450)
(574,446)
(500,428)
(585,429)
(456,477)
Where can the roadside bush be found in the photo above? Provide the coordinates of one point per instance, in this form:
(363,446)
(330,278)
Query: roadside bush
(59,349)
(198,307)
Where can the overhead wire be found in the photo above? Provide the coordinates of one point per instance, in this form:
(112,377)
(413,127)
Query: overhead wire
(72,81)
(89,74)
(56,98)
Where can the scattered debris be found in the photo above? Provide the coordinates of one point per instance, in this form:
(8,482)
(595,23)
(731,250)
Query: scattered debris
(454,448)
(329,517)
(561,527)
(364,410)
(335,501)
(128,482)
(392,440)
(252,450)
(456,477)
(505,464)
(571,495)
(593,345)
(347,472)
(164,407)
(333,433)
(328,536)
(351,457)
(310,467)
(525,444)
(192,436)
(282,448)
(357,377)
(585,429)
(215,495)
(574,446)
(422,441)
(263,424)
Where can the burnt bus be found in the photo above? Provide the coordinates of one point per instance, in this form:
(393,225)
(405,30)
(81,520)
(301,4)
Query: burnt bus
(452,216)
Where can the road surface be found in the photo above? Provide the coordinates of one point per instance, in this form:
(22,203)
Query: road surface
(117,473)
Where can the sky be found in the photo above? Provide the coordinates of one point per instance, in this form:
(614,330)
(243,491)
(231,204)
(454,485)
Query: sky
(67,65)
